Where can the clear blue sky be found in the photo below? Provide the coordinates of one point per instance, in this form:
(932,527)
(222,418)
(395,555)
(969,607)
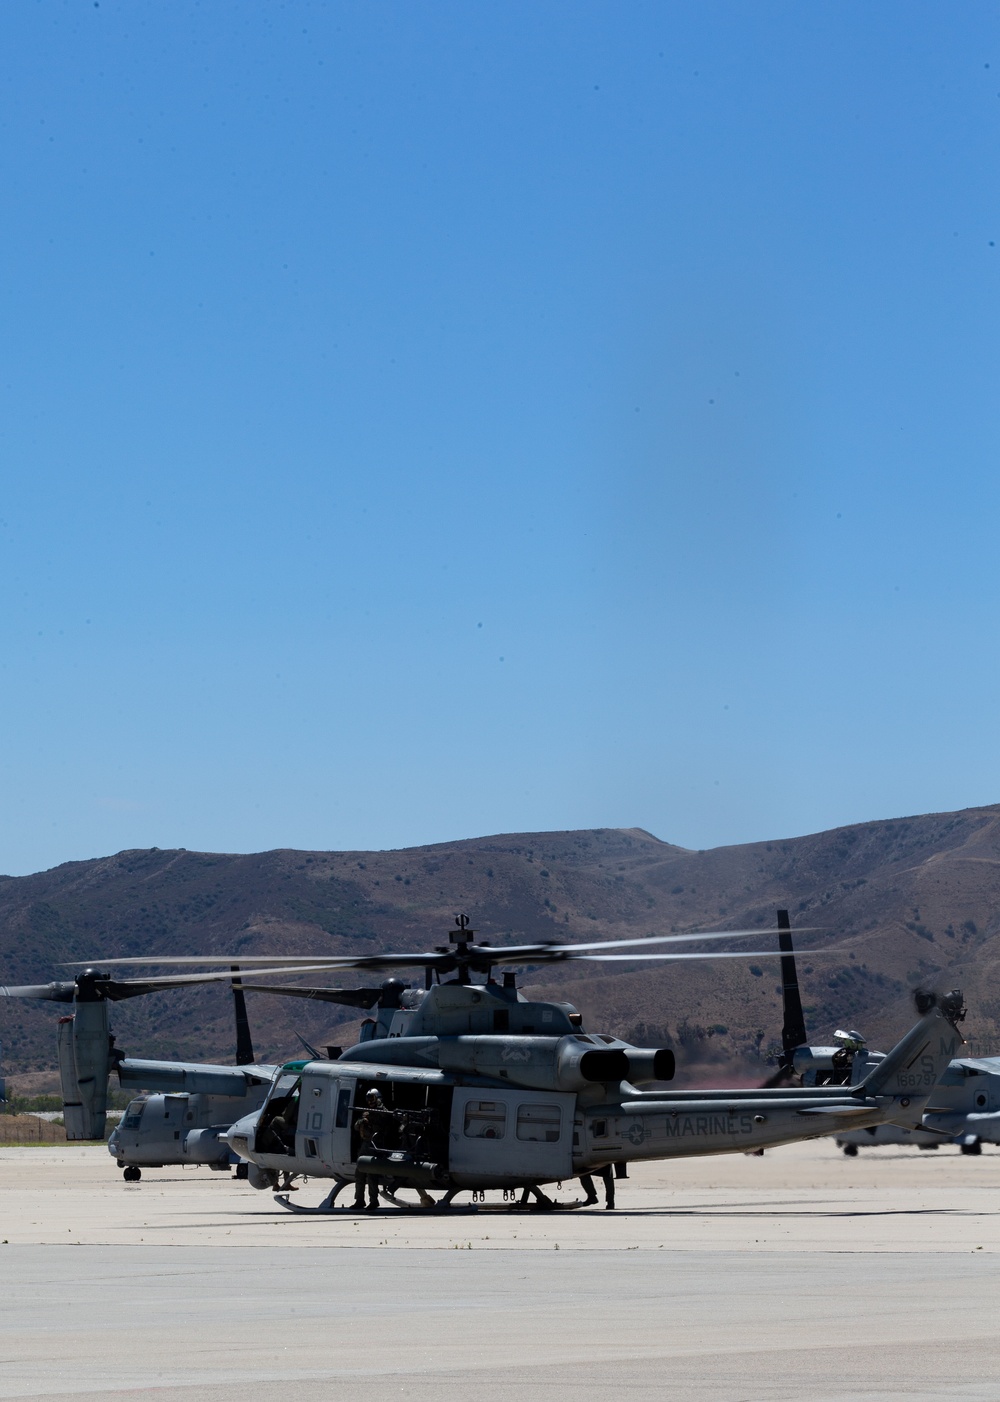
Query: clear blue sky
(422,420)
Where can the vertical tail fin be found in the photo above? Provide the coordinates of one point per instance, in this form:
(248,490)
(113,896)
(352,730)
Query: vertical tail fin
(916,1064)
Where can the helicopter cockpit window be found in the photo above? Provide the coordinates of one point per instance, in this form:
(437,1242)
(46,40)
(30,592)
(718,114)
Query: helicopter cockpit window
(283,1085)
(485,1119)
(276,1131)
(539,1123)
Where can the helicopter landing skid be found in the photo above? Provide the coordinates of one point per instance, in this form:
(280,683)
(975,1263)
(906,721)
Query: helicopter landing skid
(443,1204)
(426,1203)
(327,1205)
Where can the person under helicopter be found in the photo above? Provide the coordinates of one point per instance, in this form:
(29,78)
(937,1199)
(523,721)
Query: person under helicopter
(360,1183)
(542,1202)
(607,1176)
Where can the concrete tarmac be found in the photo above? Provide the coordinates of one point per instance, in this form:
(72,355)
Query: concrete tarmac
(801,1273)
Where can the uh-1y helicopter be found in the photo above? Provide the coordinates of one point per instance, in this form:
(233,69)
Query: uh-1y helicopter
(467,1086)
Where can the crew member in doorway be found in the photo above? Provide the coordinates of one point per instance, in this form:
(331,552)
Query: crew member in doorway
(367,1126)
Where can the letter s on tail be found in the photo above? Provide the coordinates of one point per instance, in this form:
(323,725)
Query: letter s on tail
(914,1066)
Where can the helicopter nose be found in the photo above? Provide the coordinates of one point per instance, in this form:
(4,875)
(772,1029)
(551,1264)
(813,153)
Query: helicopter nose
(240,1136)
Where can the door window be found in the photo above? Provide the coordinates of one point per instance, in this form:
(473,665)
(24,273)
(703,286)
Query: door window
(540,1123)
(485,1119)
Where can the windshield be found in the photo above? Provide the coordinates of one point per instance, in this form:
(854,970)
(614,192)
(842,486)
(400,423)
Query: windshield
(283,1085)
(276,1128)
(133,1113)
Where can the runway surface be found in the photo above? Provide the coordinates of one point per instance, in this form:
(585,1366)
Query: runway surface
(798,1274)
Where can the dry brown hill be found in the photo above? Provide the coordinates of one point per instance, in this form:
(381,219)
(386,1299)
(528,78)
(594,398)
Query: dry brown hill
(906,901)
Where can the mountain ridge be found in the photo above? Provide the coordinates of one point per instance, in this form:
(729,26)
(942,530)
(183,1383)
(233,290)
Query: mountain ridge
(901,901)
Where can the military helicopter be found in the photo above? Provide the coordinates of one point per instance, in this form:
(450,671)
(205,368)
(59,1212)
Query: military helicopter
(966,1109)
(468,1086)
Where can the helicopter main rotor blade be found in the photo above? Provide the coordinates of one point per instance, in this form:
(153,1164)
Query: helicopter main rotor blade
(114,990)
(134,988)
(349,997)
(499,953)
(317,964)
(368,997)
(698,935)
(463,958)
(713,954)
(294,960)
(51,992)
(474,956)
(445,961)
